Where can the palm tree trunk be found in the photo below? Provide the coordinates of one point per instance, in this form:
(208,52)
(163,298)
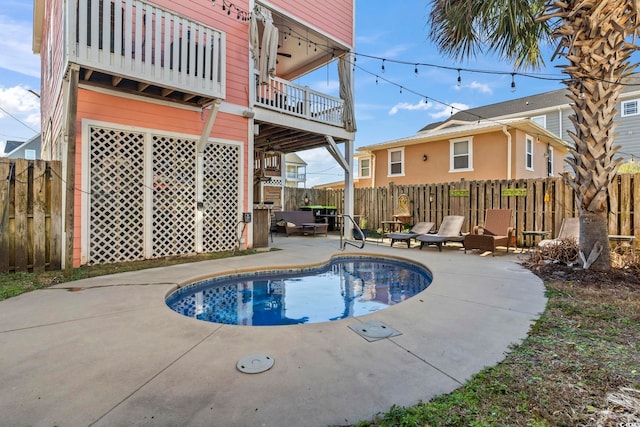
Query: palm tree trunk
(593,38)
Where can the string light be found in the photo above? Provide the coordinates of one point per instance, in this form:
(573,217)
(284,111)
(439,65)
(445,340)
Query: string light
(459,79)
(241,14)
(415,70)
(383,65)
(513,82)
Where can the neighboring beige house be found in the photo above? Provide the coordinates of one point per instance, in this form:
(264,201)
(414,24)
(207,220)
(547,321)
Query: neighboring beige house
(461,150)
(295,171)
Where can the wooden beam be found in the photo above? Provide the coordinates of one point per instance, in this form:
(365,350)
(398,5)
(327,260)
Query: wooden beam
(115,80)
(188,96)
(143,86)
(70,136)
(166,92)
(87,74)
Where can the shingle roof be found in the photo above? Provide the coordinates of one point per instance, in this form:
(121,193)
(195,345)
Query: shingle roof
(535,102)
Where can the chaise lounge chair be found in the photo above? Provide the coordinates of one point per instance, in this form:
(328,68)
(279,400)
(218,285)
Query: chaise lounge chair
(569,230)
(417,230)
(495,232)
(449,231)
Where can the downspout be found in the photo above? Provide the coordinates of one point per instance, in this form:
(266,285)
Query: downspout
(506,132)
(373,170)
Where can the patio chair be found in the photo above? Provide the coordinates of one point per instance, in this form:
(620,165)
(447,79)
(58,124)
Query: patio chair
(495,232)
(417,230)
(569,230)
(449,231)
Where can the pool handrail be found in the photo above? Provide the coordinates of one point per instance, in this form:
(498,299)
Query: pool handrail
(344,242)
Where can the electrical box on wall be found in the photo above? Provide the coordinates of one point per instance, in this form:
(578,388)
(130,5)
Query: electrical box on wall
(246,217)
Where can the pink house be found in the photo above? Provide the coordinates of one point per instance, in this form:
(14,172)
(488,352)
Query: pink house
(171,118)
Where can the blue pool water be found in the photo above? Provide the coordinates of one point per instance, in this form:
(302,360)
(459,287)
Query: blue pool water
(345,287)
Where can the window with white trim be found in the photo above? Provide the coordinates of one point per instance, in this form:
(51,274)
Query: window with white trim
(629,108)
(540,120)
(396,161)
(549,161)
(461,158)
(29,154)
(529,152)
(365,168)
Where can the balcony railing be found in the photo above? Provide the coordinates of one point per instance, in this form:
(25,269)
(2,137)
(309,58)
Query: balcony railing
(291,176)
(286,97)
(140,41)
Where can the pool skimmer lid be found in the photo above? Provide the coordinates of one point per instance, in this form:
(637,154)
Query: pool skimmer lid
(255,363)
(374,330)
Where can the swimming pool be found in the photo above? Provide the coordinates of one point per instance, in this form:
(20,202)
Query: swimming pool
(344,287)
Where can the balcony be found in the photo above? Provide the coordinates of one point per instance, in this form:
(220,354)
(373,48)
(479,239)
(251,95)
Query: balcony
(287,98)
(142,47)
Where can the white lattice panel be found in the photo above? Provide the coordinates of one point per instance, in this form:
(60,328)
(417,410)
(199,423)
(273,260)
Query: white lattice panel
(174,196)
(221,187)
(117,195)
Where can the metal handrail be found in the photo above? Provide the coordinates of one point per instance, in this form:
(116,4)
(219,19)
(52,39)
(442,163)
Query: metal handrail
(343,244)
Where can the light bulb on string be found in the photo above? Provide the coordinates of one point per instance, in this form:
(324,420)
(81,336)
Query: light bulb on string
(383,65)
(513,82)
(459,78)
(415,70)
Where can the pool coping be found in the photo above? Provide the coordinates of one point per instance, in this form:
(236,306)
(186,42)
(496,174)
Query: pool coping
(114,354)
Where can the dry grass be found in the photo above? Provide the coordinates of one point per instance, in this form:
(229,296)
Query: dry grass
(579,366)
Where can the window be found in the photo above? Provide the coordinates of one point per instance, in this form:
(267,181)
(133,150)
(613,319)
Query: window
(540,120)
(629,108)
(365,169)
(396,162)
(529,153)
(549,161)
(461,155)
(30,154)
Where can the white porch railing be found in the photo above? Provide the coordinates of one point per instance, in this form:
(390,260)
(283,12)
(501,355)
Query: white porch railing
(286,97)
(140,41)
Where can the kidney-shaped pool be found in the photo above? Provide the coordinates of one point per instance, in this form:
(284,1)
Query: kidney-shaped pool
(344,287)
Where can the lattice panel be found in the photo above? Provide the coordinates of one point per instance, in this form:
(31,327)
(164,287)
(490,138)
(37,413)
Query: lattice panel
(174,196)
(221,187)
(117,195)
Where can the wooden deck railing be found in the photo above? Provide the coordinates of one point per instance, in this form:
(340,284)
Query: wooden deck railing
(141,41)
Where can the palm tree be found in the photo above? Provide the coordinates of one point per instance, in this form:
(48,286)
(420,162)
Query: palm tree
(597,39)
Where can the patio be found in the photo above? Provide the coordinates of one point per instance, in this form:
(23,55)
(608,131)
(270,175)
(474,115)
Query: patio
(107,350)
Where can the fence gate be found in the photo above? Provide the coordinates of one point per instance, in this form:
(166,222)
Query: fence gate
(221,189)
(174,196)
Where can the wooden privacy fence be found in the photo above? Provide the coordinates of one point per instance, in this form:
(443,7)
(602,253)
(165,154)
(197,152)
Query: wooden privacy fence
(537,204)
(30,215)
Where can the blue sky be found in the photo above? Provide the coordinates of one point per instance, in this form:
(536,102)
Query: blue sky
(384,29)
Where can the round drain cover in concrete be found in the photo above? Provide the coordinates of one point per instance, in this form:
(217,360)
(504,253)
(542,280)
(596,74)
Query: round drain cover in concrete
(255,363)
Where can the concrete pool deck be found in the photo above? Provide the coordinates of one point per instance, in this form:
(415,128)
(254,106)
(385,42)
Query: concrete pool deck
(111,353)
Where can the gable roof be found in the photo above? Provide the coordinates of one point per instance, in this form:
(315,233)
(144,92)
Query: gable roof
(457,128)
(533,104)
(293,158)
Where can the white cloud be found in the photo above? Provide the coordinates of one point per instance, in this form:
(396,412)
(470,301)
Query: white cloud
(321,167)
(15,45)
(21,104)
(480,87)
(421,105)
(446,111)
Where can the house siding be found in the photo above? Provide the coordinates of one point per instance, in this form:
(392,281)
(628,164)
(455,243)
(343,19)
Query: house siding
(337,23)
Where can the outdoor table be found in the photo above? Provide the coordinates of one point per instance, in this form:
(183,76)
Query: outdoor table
(619,240)
(529,238)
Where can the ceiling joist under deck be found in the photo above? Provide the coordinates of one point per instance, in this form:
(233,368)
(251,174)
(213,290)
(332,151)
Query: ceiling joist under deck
(287,140)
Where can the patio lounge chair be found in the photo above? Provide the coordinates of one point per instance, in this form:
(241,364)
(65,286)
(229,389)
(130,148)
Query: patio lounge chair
(495,232)
(449,231)
(417,230)
(569,230)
